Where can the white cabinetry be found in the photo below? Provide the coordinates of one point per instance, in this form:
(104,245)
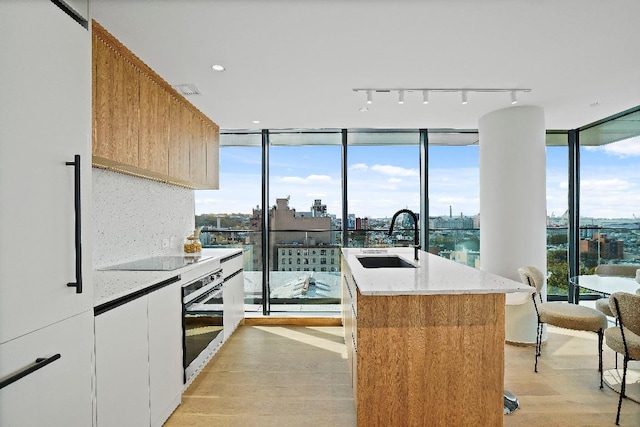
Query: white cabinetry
(45,117)
(139,359)
(122,365)
(165,352)
(233,293)
(59,393)
(45,121)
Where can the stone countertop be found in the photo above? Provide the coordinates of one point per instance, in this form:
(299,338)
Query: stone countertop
(109,285)
(433,275)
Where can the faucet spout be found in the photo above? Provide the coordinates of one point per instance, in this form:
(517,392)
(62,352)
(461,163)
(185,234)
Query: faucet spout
(416,236)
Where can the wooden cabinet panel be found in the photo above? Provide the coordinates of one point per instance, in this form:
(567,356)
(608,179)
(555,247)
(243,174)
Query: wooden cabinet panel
(153,144)
(116,106)
(198,151)
(212,137)
(142,126)
(179,140)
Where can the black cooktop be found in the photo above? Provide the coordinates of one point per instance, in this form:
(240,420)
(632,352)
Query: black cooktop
(158,263)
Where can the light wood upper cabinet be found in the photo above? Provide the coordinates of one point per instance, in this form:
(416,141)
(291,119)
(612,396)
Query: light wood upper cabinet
(212,138)
(179,140)
(142,126)
(153,141)
(198,151)
(117,106)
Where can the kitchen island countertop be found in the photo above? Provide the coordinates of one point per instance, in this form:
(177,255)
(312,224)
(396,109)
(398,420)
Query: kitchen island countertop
(433,275)
(110,285)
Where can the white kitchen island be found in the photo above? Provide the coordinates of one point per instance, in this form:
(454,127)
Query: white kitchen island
(425,342)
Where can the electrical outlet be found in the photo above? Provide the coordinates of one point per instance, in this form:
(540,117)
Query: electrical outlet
(165,243)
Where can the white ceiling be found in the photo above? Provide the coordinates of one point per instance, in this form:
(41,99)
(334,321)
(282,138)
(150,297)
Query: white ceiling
(295,63)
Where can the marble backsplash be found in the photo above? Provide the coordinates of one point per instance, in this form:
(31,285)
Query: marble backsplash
(136,218)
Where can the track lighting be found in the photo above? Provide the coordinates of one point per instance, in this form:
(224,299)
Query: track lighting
(464,92)
(425,96)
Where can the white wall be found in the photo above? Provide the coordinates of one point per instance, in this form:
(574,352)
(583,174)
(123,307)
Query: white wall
(132,216)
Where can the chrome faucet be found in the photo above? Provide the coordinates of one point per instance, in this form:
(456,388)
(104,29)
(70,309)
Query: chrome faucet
(416,236)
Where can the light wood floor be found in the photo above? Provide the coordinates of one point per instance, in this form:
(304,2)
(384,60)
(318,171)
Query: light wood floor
(298,376)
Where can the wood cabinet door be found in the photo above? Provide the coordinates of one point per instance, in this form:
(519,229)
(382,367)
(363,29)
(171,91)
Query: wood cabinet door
(117,106)
(179,140)
(153,143)
(212,136)
(198,151)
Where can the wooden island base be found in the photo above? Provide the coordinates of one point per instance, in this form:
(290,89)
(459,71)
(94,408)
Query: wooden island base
(426,360)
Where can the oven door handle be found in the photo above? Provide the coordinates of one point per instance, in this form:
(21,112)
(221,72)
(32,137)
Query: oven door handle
(205,296)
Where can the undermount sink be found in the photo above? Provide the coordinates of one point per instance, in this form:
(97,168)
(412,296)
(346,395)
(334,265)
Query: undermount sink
(391,261)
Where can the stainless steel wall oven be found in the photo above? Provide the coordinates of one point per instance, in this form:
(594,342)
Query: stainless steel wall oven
(202,320)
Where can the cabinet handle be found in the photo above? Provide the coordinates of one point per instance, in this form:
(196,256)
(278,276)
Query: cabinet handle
(78,241)
(40,362)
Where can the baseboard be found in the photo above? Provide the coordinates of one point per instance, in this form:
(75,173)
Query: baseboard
(293,321)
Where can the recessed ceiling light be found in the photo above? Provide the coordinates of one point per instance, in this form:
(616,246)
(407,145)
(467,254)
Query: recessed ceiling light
(217,67)
(255,122)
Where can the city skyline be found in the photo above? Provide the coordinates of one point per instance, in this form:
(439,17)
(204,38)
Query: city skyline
(383,179)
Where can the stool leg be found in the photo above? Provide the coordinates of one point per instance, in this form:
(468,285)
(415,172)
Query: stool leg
(600,336)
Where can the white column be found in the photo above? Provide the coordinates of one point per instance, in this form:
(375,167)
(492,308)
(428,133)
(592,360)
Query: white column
(513,205)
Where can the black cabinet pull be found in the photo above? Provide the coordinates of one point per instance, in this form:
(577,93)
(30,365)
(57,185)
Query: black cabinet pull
(39,363)
(78,283)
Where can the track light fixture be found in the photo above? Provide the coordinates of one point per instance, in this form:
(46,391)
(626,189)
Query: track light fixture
(464,92)
(425,96)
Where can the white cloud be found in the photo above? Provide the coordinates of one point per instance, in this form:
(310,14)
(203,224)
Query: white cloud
(394,180)
(311,179)
(394,170)
(608,185)
(625,148)
(292,180)
(359,167)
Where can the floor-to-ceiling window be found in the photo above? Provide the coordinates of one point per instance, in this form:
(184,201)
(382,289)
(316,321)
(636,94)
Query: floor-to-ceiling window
(610,193)
(231,216)
(383,171)
(305,210)
(557,153)
(454,196)
(383,176)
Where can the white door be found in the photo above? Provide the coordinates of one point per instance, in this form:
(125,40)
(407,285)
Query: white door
(45,120)
(166,373)
(60,392)
(122,366)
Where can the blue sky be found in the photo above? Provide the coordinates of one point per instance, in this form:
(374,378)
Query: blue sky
(383,179)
